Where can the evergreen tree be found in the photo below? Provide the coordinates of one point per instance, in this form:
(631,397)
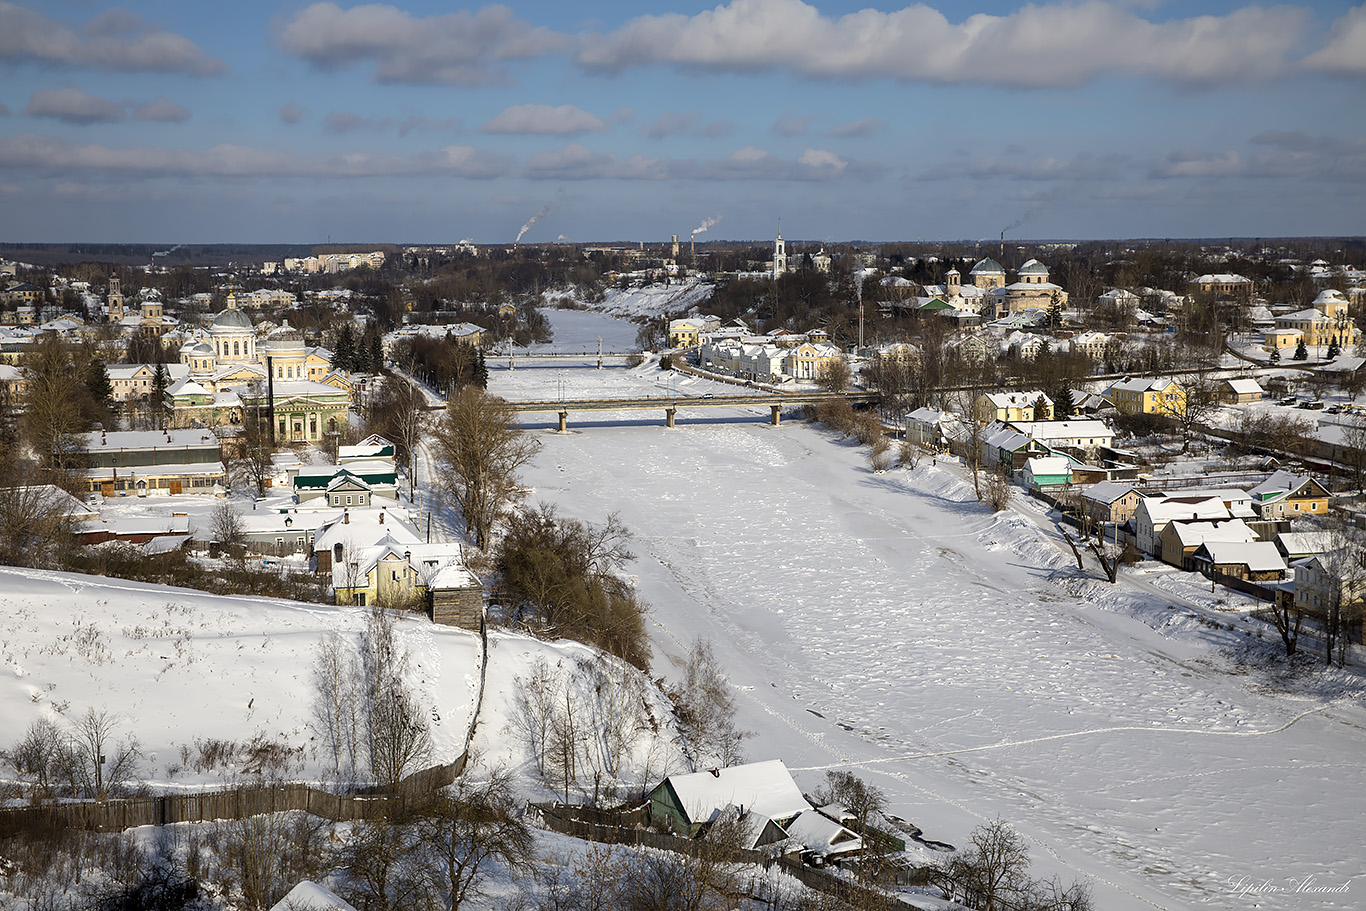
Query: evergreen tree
(160,381)
(344,357)
(1275,356)
(376,353)
(1301,352)
(1334,350)
(100,390)
(1062,400)
(481,372)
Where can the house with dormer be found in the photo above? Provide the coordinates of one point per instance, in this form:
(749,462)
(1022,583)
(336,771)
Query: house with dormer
(1289,495)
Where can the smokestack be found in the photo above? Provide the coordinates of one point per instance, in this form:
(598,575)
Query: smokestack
(1003,248)
(692,244)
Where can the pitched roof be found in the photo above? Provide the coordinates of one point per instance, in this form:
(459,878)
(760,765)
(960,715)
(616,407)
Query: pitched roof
(1258,556)
(763,787)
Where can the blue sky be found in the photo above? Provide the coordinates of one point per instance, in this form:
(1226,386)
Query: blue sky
(428,122)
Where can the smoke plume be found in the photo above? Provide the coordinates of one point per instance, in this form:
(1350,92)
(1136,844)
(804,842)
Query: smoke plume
(706,223)
(531,221)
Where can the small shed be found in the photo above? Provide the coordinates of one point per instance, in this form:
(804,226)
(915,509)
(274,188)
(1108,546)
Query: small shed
(1237,392)
(1047,472)
(457,597)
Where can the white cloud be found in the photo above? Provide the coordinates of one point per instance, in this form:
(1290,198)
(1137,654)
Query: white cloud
(162,109)
(565,120)
(52,157)
(1038,46)
(116,41)
(462,48)
(1345,52)
(820,159)
(73,106)
(292,113)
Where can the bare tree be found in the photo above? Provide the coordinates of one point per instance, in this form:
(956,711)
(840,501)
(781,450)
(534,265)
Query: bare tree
(98,762)
(397,734)
(908,453)
(1354,451)
(336,717)
(1343,573)
(54,416)
(39,758)
(992,874)
(465,835)
(252,459)
(1194,406)
(482,449)
(226,527)
(400,413)
(998,489)
(834,375)
(706,710)
(35,527)
(866,803)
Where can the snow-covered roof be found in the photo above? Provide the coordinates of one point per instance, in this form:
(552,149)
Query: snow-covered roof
(987,267)
(1245,387)
(1258,556)
(309,896)
(1200,531)
(1033,267)
(1065,430)
(1163,509)
(817,832)
(108,441)
(1107,491)
(1305,542)
(1281,483)
(762,787)
(1041,465)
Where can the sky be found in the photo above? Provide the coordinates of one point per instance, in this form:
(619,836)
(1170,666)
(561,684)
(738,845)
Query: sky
(422,122)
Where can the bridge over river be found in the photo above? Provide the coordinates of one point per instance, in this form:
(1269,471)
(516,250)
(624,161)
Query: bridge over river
(670,404)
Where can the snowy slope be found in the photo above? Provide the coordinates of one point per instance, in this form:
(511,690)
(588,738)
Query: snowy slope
(652,300)
(177,666)
(891,625)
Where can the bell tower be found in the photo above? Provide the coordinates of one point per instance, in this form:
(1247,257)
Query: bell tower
(115,299)
(779,253)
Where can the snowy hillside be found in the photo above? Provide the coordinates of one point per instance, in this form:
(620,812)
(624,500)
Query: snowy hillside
(179,666)
(891,625)
(651,300)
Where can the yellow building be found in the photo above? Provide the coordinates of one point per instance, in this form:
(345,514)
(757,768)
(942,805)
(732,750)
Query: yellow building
(1013,406)
(684,333)
(1323,324)
(1148,396)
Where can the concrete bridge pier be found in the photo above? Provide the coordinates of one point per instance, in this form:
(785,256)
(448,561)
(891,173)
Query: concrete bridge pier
(564,421)
(669,416)
(775,414)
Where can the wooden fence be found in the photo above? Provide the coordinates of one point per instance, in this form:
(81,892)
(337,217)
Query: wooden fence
(575,822)
(237,803)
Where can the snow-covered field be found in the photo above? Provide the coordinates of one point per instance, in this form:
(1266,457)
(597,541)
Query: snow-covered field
(891,625)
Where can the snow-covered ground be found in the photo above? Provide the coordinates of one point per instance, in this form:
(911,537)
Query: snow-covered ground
(177,667)
(651,300)
(891,625)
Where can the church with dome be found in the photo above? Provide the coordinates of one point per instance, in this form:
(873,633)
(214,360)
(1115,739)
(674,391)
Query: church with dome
(236,372)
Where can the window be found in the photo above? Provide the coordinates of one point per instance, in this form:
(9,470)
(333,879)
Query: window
(348,500)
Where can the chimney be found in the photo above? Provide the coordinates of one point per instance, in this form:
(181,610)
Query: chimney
(381,517)
(346,518)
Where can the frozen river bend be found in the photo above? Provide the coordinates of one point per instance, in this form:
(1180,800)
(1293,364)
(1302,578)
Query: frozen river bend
(892,625)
